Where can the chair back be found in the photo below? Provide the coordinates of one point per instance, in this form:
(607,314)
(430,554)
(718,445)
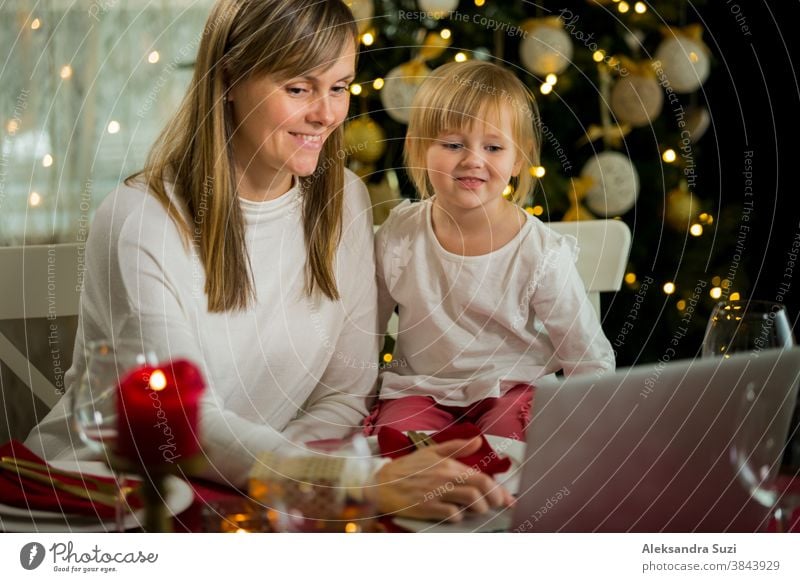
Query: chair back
(40,281)
(603,247)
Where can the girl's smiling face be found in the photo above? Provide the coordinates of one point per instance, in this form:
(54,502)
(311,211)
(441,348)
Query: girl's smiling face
(470,167)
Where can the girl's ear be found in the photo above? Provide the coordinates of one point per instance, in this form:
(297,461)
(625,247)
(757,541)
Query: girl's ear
(517,167)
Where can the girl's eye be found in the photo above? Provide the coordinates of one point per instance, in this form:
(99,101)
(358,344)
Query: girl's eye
(494,148)
(451,145)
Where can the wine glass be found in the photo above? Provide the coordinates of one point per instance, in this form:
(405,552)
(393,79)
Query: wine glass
(746,326)
(759,445)
(94,403)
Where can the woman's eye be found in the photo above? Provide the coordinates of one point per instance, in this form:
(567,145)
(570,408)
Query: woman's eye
(340,89)
(296,90)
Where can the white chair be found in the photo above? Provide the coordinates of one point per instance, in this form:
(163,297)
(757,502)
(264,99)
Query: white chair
(40,281)
(603,247)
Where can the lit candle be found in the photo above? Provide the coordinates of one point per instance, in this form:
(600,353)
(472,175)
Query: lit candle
(158,413)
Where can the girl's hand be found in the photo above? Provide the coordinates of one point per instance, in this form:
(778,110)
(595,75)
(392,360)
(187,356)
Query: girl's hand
(431,484)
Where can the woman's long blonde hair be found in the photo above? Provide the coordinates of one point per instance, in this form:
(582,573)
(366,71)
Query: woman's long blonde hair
(244,38)
(455,96)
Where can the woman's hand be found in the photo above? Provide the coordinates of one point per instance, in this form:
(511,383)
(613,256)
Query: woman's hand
(431,484)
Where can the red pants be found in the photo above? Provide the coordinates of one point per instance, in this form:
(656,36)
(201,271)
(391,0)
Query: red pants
(506,416)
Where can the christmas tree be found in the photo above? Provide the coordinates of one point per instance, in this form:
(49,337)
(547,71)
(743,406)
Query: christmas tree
(619,87)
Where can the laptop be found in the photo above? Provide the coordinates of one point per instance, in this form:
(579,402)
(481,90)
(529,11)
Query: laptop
(647,449)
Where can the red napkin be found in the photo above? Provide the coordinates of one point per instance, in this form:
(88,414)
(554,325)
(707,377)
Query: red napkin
(29,494)
(394,444)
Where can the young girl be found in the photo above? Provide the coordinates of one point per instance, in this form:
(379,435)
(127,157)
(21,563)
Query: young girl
(489,297)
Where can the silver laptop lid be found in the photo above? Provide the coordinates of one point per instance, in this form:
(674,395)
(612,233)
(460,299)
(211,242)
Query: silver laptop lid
(649,448)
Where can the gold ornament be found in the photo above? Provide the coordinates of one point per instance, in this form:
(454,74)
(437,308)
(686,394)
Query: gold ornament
(433,46)
(384,196)
(681,208)
(363,11)
(578,188)
(613,135)
(364,140)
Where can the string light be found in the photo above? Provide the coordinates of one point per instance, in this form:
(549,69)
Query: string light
(12,126)
(47,160)
(387,358)
(153,57)
(623,7)
(508,190)
(640,7)
(725,283)
(715,292)
(367,39)
(693,57)
(546,88)
(598,56)
(669,288)
(355,89)
(445,33)
(35,199)
(480,2)
(538,210)
(669,155)
(378,83)
(735,297)
(113,127)
(66,72)
(681,305)
(351,528)
(715,280)
(696,229)
(551,78)
(460,57)
(630,278)
(706,218)
(36,24)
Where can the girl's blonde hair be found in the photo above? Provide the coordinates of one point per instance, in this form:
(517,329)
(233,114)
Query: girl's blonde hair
(243,39)
(455,96)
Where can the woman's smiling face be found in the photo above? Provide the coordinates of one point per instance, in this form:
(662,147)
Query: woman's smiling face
(282,124)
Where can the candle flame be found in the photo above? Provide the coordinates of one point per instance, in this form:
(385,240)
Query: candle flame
(158,381)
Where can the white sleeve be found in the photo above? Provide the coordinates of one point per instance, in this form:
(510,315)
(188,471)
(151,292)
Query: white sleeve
(158,317)
(561,302)
(345,391)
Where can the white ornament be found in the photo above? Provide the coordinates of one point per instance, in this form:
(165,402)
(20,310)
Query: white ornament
(399,88)
(636,100)
(363,11)
(684,62)
(615,184)
(438,8)
(545,50)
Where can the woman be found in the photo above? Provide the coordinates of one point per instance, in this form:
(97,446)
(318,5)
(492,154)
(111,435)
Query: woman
(245,246)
